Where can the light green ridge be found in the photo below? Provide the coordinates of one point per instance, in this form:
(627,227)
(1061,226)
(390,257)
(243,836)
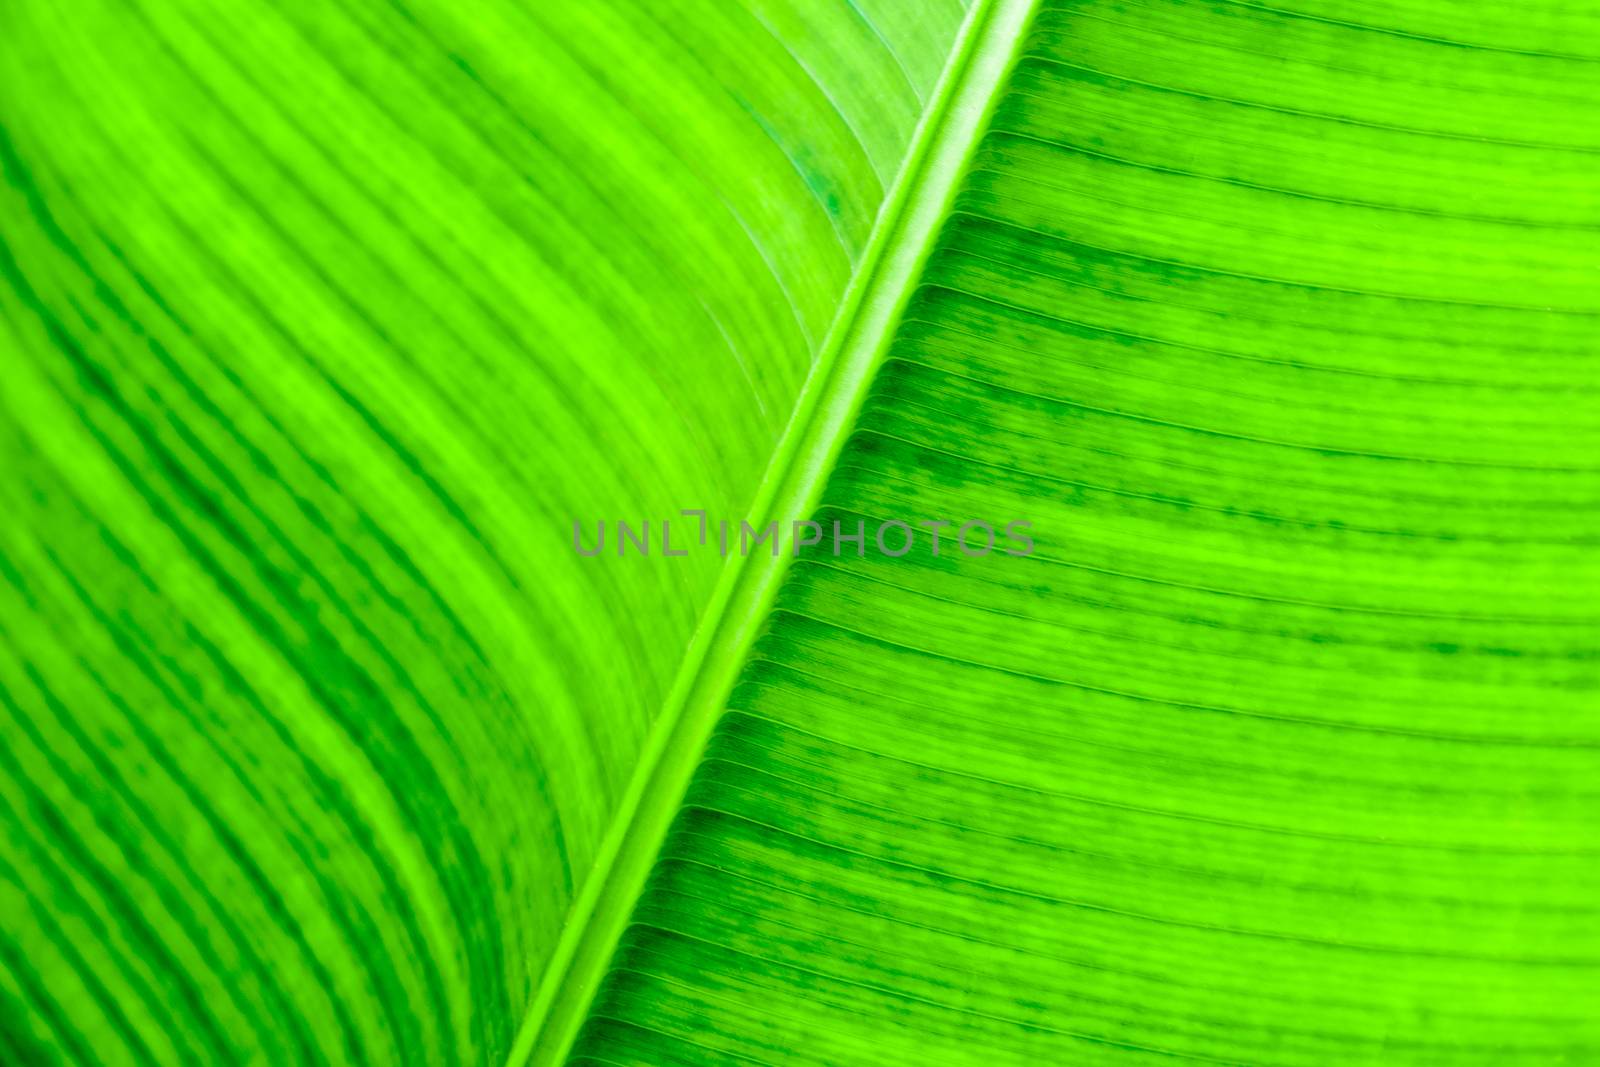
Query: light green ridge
(901,243)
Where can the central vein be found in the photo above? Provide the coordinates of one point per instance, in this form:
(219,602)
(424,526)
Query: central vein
(902,239)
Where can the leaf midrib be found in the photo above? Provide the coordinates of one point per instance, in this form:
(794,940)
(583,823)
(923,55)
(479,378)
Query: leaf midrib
(902,239)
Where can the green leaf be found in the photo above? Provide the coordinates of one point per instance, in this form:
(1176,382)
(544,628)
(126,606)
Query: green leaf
(1277,326)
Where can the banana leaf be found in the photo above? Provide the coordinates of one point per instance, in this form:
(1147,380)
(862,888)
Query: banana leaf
(1193,402)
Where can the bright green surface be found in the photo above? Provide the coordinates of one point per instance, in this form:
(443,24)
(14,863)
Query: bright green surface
(1282,749)
(319,324)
